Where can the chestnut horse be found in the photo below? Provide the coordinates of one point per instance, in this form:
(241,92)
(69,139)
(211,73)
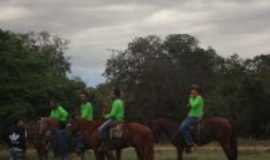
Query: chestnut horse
(210,129)
(134,134)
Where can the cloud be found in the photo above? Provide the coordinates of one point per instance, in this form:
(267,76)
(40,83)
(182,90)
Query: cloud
(95,26)
(12,13)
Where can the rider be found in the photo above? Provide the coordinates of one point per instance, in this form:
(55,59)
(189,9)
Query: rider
(86,108)
(116,115)
(196,105)
(60,138)
(58,113)
(86,113)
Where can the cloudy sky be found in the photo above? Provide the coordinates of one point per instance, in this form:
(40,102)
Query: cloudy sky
(96,26)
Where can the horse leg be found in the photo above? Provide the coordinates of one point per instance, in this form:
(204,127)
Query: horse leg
(82,155)
(179,150)
(118,154)
(109,155)
(139,154)
(99,155)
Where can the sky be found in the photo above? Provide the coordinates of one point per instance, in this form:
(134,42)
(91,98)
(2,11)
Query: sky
(94,27)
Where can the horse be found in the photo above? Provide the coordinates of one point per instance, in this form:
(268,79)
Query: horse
(49,129)
(209,129)
(39,142)
(134,135)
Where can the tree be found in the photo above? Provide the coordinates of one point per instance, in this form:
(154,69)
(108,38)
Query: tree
(156,74)
(33,68)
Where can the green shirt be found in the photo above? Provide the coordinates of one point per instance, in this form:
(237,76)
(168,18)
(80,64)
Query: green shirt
(196,105)
(59,113)
(117,111)
(87,111)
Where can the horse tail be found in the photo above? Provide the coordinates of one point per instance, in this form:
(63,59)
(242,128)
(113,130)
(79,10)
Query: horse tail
(234,144)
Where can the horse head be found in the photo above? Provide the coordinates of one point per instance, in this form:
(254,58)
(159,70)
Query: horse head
(46,125)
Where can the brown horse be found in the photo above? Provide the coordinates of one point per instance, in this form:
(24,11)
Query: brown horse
(39,142)
(210,129)
(134,134)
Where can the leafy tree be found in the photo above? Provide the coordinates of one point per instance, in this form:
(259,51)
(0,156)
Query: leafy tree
(156,73)
(33,68)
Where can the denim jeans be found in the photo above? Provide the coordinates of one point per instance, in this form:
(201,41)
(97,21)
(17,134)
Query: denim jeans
(16,154)
(185,129)
(60,143)
(79,145)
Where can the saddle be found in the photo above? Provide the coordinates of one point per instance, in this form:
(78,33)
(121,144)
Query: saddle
(116,131)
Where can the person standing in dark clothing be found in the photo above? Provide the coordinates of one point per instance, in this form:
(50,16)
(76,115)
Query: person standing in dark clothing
(16,139)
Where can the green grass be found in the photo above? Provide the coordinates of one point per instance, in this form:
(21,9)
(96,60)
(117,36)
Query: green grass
(171,155)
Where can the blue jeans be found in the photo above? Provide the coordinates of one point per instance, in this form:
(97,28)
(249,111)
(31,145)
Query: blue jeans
(185,129)
(16,154)
(60,143)
(79,145)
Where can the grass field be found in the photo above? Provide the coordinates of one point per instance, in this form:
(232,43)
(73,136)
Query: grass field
(168,153)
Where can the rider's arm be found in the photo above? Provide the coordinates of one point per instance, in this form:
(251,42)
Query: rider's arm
(63,113)
(114,110)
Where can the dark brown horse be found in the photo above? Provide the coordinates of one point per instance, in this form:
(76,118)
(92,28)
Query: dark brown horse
(210,129)
(134,134)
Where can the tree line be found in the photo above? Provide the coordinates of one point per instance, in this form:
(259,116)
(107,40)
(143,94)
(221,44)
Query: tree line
(154,73)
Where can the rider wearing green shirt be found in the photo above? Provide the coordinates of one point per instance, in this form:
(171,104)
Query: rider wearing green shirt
(86,108)
(58,113)
(116,115)
(117,111)
(86,113)
(59,135)
(196,105)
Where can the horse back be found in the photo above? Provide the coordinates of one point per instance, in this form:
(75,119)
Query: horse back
(216,127)
(216,122)
(137,127)
(137,131)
